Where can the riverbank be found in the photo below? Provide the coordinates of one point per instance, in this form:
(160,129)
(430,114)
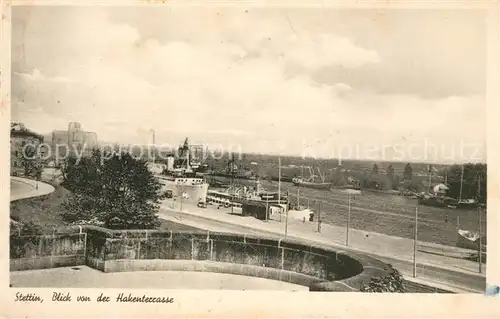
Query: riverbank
(388,214)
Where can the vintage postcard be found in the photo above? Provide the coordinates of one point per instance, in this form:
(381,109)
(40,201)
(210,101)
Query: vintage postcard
(250,159)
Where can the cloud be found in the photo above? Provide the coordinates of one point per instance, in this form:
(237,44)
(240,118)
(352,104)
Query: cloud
(250,83)
(37,76)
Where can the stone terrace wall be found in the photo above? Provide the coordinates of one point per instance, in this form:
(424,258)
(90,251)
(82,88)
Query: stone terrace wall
(320,268)
(47,251)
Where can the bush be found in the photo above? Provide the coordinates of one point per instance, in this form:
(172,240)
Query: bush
(392,283)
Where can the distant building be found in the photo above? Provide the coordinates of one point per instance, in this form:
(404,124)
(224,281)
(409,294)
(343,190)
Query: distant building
(255,209)
(72,142)
(440,189)
(20,136)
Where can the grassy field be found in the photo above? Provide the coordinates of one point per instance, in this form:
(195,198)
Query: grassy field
(392,215)
(44,210)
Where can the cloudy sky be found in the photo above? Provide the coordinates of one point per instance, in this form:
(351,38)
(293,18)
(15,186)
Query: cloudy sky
(271,80)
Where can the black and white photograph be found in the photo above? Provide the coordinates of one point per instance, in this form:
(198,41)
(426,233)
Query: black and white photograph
(248,148)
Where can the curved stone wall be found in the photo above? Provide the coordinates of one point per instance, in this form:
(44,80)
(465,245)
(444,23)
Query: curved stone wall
(319,268)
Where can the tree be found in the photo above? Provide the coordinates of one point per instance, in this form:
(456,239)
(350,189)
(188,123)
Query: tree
(473,183)
(119,192)
(408,172)
(31,163)
(391,283)
(390,176)
(338,177)
(82,175)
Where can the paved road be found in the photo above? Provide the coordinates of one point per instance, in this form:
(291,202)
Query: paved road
(461,281)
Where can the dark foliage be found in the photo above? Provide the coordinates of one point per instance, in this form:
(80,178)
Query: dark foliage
(474,181)
(408,172)
(31,163)
(116,189)
(392,283)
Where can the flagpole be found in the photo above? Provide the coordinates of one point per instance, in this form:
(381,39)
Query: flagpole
(348,220)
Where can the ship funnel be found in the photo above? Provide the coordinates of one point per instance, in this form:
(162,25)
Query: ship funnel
(170,163)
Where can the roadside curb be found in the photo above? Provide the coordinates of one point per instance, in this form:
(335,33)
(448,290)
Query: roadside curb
(440,285)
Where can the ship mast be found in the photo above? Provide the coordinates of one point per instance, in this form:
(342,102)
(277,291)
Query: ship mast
(279,181)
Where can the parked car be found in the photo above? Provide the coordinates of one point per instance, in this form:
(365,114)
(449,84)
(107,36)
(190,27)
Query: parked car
(202,204)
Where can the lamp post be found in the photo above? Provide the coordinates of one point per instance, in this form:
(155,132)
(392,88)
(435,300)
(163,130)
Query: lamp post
(286,219)
(480,250)
(415,244)
(319,217)
(348,220)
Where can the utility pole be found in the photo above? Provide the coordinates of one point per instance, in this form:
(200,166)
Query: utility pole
(415,244)
(286,219)
(480,249)
(430,178)
(232,204)
(480,257)
(348,221)
(233,172)
(267,207)
(298,197)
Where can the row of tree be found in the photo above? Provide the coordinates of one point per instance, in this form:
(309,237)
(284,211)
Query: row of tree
(470,184)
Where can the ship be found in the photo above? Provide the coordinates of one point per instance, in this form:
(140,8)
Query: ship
(234,172)
(472,241)
(179,178)
(311,181)
(237,194)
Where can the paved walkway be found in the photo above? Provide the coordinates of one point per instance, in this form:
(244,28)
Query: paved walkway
(21,188)
(369,242)
(86,277)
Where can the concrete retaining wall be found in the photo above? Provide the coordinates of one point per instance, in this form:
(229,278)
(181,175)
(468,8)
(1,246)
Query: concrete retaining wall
(48,251)
(320,268)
